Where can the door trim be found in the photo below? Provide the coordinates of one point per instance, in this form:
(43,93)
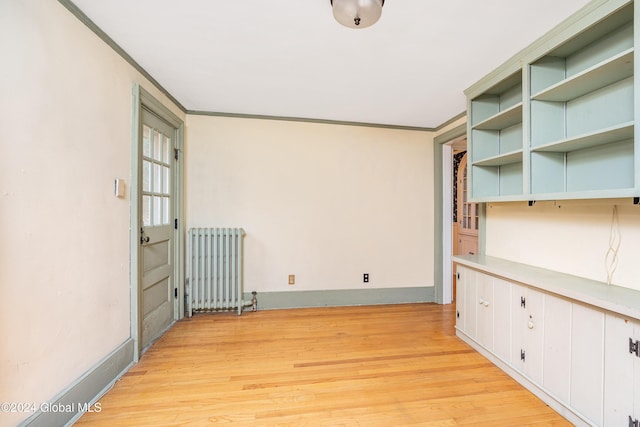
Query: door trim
(443,221)
(141,98)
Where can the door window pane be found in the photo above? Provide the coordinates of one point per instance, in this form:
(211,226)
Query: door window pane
(146,141)
(157,145)
(165,210)
(166,149)
(146,176)
(146,210)
(475,216)
(165,180)
(157,178)
(157,210)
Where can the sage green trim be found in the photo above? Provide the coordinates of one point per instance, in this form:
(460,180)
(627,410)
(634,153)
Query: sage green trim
(482,228)
(135,212)
(180,273)
(75,11)
(85,391)
(159,109)
(308,120)
(342,297)
(329,122)
(448,122)
(439,201)
(451,134)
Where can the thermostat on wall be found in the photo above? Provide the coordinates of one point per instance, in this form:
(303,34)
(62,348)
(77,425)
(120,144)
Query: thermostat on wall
(118,188)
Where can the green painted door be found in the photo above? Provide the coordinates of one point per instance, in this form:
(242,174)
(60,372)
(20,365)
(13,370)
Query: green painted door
(156,227)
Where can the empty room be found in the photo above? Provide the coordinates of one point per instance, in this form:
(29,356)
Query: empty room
(330,212)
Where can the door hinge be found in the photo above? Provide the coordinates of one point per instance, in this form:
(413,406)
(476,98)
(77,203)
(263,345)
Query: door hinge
(175,223)
(633,423)
(634,347)
(175,292)
(522,355)
(523,302)
(175,153)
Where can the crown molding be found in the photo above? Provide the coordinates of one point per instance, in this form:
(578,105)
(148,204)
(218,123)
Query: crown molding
(75,11)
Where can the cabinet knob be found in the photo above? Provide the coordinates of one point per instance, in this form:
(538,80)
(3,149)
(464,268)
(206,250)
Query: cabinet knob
(530,324)
(486,303)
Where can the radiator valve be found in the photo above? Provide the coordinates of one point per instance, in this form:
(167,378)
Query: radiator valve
(254,301)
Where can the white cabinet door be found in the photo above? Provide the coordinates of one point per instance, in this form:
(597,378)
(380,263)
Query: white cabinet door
(518,326)
(587,361)
(468,276)
(556,375)
(484,301)
(461,275)
(621,371)
(502,319)
(527,331)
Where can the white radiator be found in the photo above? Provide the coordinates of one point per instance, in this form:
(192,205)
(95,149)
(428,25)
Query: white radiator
(214,269)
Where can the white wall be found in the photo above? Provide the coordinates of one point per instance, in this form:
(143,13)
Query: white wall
(567,236)
(324,202)
(65,135)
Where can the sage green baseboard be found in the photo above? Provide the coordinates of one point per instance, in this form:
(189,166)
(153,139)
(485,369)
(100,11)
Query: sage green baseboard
(85,390)
(342,297)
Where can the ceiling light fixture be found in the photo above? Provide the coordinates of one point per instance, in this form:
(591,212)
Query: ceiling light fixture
(357,13)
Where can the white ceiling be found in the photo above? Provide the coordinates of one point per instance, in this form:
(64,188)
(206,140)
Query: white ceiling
(291,58)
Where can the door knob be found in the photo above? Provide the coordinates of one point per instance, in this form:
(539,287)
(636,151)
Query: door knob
(143,237)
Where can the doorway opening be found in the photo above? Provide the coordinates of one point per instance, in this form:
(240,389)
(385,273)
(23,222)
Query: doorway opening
(444,147)
(459,216)
(465,215)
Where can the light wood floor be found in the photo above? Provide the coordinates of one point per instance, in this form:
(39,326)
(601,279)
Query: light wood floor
(394,365)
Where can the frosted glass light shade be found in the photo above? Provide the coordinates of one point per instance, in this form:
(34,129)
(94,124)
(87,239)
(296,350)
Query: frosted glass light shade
(357,13)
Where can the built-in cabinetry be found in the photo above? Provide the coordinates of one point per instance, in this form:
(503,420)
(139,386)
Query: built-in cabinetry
(526,330)
(621,391)
(495,142)
(557,122)
(556,347)
(573,342)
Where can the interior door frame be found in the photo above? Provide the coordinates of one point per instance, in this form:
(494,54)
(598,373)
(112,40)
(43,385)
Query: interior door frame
(443,215)
(143,99)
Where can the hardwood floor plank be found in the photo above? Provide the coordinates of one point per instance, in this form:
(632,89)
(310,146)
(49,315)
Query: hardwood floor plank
(351,366)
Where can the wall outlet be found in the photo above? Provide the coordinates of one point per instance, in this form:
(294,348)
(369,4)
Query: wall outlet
(292,279)
(365,277)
